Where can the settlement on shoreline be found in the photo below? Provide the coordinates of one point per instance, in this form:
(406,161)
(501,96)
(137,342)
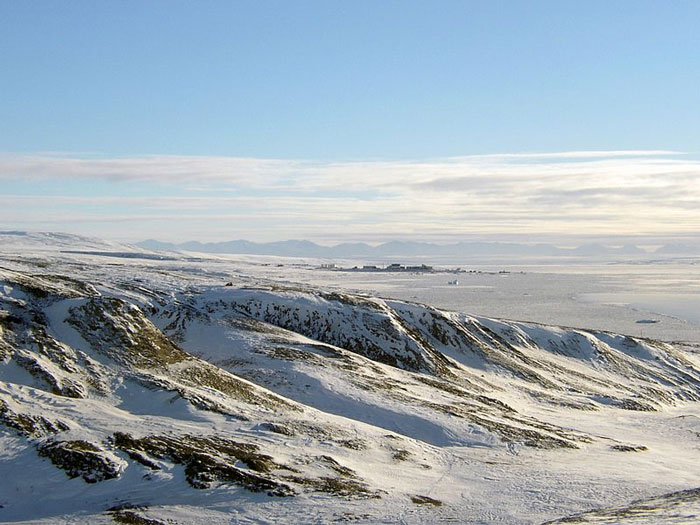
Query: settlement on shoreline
(401,268)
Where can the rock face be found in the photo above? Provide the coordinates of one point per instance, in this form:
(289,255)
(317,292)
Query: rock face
(280,391)
(81,459)
(208,460)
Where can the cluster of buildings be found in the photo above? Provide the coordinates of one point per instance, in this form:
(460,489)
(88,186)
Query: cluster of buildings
(397,268)
(373,268)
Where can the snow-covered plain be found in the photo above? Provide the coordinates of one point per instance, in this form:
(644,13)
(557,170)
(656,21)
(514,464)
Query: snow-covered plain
(222,389)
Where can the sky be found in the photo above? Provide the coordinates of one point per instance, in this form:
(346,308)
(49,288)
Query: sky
(351,121)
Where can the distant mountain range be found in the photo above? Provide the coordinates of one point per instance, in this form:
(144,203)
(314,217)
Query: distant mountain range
(303,248)
(22,240)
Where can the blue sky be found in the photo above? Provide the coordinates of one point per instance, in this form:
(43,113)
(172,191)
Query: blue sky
(252,96)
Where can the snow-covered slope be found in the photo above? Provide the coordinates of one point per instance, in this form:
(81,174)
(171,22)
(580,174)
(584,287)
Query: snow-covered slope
(22,241)
(167,390)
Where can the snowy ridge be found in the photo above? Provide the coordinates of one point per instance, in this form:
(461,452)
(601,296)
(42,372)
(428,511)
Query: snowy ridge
(584,368)
(174,397)
(51,241)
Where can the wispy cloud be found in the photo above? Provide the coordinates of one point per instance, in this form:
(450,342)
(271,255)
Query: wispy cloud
(173,197)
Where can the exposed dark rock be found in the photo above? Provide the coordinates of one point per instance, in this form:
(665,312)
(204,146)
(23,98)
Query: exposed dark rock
(629,448)
(80,458)
(426,500)
(30,425)
(209,460)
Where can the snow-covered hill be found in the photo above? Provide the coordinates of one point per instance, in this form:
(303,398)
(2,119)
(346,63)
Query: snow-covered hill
(174,390)
(16,241)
